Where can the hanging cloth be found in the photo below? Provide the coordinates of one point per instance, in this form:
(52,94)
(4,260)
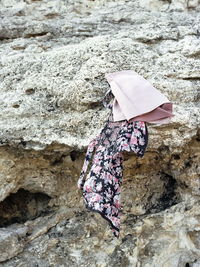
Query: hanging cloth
(101,187)
(134,102)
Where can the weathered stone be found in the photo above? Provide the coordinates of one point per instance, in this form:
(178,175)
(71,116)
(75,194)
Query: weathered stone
(53,58)
(11,241)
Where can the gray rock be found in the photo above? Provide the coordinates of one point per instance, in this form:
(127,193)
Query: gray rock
(53,58)
(11,241)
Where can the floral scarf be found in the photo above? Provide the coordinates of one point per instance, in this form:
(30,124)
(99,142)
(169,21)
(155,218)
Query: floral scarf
(101,187)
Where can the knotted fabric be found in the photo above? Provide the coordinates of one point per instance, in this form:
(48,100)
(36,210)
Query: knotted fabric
(136,102)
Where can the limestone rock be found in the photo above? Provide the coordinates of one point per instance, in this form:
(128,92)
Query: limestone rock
(10,244)
(53,59)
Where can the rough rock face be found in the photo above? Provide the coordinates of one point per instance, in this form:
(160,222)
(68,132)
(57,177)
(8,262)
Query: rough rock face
(54,55)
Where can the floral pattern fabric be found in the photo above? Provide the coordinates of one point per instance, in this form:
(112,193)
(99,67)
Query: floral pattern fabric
(101,185)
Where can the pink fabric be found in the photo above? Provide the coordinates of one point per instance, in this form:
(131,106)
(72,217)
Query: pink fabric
(158,115)
(137,99)
(102,172)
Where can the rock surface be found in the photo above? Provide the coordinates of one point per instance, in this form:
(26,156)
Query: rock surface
(53,58)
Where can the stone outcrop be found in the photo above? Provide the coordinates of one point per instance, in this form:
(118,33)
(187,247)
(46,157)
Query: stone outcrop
(53,58)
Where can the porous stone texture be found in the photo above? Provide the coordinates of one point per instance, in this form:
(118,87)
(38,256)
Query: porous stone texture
(53,58)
